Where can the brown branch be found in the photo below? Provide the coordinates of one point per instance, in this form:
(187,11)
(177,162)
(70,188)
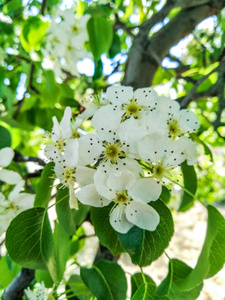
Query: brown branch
(140,68)
(15,290)
(21,158)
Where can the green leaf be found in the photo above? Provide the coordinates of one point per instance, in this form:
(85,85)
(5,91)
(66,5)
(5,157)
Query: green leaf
(44,275)
(44,187)
(51,91)
(98,69)
(212,258)
(116,46)
(7,273)
(137,280)
(177,272)
(76,287)
(100,35)
(5,138)
(147,292)
(165,286)
(165,195)
(106,280)
(190,184)
(207,150)
(103,229)
(32,33)
(29,241)
(69,218)
(145,246)
(62,246)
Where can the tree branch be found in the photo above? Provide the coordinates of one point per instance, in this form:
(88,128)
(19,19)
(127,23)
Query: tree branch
(21,158)
(15,290)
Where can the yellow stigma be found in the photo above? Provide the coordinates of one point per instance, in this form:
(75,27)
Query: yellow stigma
(112,152)
(75,29)
(158,171)
(68,176)
(132,109)
(121,198)
(174,130)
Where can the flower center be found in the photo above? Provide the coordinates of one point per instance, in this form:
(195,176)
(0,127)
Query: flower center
(69,47)
(158,171)
(174,129)
(121,198)
(112,152)
(60,145)
(75,134)
(75,29)
(132,109)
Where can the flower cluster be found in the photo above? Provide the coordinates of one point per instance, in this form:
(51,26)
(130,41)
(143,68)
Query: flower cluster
(64,43)
(16,201)
(139,139)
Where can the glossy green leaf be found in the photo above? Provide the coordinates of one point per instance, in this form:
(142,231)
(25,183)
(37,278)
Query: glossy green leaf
(106,280)
(98,69)
(29,241)
(100,35)
(147,292)
(212,258)
(178,271)
(103,229)
(69,218)
(62,246)
(44,276)
(32,33)
(145,246)
(190,184)
(5,138)
(165,195)
(138,279)
(76,289)
(116,46)
(44,187)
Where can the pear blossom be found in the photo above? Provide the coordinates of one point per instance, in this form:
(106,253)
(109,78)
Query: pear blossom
(40,295)
(178,121)
(130,196)
(55,143)
(161,154)
(8,176)
(124,104)
(15,203)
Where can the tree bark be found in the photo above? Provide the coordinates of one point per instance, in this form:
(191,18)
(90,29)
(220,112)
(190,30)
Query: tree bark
(146,53)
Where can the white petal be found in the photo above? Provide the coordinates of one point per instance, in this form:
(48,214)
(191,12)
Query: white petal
(142,215)
(155,121)
(10,177)
(73,203)
(188,121)
(146,96)
(51,152)
(16,190)
(168,107)
(151,147)
(6,156)
(56,134)
(120,181)
(119,94)
(84,175)
(24,201)
(100,180)
(88,195)
(145,190)
(130,132)
(128,164)
(71,153)
(90,148)
(65,123)
(107,119)
(119,221)
(188,147)
(175,154)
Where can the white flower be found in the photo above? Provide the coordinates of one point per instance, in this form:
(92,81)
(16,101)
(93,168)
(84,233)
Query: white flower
(178,121)
(161,154)
(15,203)
(8,176)
(130,196)
(60,133)
(124,104)
(40,295)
